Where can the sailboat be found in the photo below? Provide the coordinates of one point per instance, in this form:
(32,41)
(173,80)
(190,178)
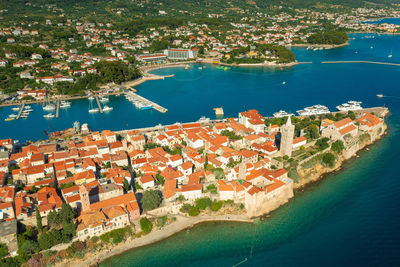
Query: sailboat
(391,54)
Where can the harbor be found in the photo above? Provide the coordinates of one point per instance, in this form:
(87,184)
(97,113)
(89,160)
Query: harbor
(143,103)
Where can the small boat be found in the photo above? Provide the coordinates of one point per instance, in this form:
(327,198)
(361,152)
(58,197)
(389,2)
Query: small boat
(351,105)
(27,107)
(9,119)
(107,108)
(65,104)
(49,116)
(12,115)
(28,110)
(49,107)
(200,68)
(389,56)
(91,97)
(283,82)
(15,109)
(282,113)
(93,110)
(24,116)
(204,120)
(104,99)
(379,95)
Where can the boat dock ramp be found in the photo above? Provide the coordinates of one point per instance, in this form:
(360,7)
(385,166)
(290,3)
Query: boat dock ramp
(145,101)
(58,108)
(98,103)
(20,111)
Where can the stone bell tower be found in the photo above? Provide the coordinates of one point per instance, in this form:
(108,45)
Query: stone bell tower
(287,134)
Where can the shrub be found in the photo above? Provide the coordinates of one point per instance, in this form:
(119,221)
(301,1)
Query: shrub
(328,159)
(337,146)
(194,211)
(203,203)
(146,225)
(216,205)
(150,200)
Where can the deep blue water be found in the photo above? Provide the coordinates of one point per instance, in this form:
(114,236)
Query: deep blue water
(350,218)
(193,93)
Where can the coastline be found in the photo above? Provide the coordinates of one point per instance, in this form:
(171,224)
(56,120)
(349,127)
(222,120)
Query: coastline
(342,160)
(181,224)
(326,46)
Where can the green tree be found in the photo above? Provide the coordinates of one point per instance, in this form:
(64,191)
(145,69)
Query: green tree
(194,211)
(312,131)
(328,159)
(38,220)
(216,205)
(126,185)
(160,179)
(351,115)
(67,212)
(337,146)
(3,250)
(150,200)
(203,203)
(68,228)
(146,225)
(44,241)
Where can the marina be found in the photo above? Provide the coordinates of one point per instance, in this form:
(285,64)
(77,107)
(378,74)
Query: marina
(143,103)
(20,111)
(99,105)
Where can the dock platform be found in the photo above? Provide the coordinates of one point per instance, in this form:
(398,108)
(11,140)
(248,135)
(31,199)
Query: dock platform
(98,103)
(20,111)
(141,98)
(58,109)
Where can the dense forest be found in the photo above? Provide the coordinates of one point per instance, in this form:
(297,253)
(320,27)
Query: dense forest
(328,37)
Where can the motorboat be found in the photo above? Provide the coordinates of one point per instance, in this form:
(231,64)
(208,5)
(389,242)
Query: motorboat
(49,116)
(93,110)
(107,108)
(49,107)
(282,113)
(350,105)
(313,110)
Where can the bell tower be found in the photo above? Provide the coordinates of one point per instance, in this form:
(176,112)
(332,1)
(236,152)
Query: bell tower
(287,134)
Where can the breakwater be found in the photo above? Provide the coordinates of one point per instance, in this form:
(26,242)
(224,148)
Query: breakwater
(361,61)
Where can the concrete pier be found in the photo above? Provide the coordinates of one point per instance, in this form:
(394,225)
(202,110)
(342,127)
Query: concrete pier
(141,98)
(20,111)
(98,103)
(58,109)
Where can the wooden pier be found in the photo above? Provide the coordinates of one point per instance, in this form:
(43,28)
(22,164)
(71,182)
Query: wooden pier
(154,105)
(58,109)
(98,103)
(20,111)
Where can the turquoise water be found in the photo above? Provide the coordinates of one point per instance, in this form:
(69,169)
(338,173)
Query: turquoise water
(193,93)
(350,218)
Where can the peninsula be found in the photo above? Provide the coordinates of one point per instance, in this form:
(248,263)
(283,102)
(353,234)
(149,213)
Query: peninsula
(82,196)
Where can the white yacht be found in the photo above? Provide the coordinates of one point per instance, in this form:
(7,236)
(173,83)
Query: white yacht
(107,108)
(15,109)
(282,113)
(313,110)
(204,120)
(49,116)
(104,99)
(49,107)
(93,110)
(12,115)
(91,97)
(351,105)
(65,104)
